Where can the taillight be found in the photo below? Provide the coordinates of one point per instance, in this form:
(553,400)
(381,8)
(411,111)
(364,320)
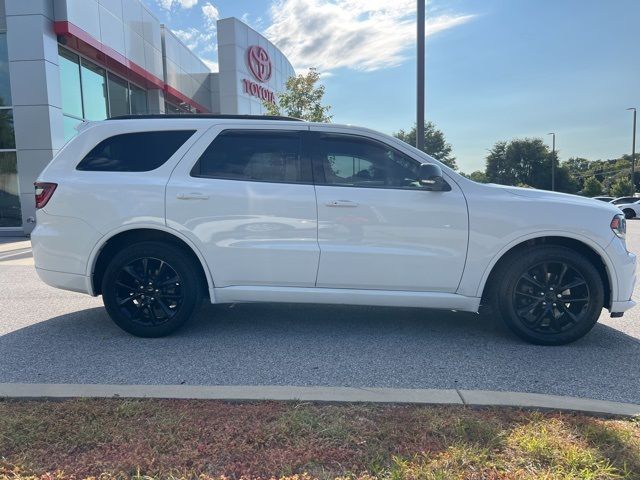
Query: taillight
(44,191)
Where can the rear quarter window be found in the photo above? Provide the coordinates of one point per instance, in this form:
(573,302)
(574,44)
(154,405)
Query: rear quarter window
(134,152)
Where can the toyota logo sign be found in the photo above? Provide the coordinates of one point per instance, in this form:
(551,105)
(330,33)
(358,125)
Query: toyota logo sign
(259,63)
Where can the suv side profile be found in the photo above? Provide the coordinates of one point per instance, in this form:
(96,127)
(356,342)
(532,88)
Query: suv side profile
(155,213)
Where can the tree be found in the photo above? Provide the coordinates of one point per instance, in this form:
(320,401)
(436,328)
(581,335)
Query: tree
(301,99)
(434,143)
(477,176)
(621,187)
(526,162)
(591,187)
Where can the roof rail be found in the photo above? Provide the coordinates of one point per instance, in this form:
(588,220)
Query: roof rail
(204,116)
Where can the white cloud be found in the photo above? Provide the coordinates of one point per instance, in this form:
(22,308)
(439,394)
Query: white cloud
(360,34)
(211,15)
(196,39)
(168,4)
(213,65)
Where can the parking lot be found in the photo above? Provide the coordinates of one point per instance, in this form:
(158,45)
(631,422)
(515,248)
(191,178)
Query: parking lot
(52,336)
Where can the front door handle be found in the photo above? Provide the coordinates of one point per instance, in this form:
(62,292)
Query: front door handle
(341,203)
(192,196)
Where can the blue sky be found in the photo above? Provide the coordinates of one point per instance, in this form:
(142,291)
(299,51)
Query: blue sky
(496,69)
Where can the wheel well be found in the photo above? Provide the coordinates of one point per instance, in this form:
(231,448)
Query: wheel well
(129,237)
(575,245)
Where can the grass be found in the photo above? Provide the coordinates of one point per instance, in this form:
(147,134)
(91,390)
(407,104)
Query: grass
(179,439)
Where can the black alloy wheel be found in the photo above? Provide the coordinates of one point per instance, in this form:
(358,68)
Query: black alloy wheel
(548,294)
(151,289)
(551,297)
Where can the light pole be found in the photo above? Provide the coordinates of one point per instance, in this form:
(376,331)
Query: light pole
(420,93)
(553,162)
(633,153)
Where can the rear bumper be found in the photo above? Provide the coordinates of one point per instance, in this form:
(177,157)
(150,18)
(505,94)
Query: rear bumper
(66,281)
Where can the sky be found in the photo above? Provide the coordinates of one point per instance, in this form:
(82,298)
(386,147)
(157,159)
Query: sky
(495,69)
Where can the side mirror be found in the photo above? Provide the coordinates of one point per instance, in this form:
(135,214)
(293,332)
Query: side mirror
(430,177)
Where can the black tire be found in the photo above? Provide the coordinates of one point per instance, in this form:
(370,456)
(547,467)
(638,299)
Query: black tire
(152,297)
(629,213)
(538,312)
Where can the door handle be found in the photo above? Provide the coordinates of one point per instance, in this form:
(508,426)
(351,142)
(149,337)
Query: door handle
(341,203)
(192,196)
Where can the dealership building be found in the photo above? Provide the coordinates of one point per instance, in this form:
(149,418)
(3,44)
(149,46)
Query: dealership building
(63,62)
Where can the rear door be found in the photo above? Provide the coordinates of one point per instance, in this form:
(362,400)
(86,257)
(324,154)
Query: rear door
(245,196)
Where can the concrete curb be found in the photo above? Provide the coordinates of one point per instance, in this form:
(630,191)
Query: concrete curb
(320,394)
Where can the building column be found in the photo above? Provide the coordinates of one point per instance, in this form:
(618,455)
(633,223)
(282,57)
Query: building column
(35,88)
(155,101)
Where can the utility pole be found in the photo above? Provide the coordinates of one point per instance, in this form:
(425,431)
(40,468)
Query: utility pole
(553,163)
(633,153)
(420,93)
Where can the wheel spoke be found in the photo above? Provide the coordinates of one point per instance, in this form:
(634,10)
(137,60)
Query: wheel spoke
(566,311)
(165,308)
(145,268)
(536,323)
(576,283)
(573,300)
(126,299)
(173,279)
(528,308)
(562,273)
(532,280)
(528,295)
(131,271)
(124,285)
(160,268)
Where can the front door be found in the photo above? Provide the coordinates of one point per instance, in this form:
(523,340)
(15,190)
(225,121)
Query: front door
(246,198)
(378,228)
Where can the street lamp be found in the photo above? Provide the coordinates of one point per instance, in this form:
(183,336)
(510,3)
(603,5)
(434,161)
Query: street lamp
(553,163)
(633,153)
(420,92)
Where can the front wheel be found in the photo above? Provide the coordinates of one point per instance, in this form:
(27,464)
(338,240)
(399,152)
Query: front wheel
(150,289)
(549,295)
(629,213)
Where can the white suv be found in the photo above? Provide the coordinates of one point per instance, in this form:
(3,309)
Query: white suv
(156,212)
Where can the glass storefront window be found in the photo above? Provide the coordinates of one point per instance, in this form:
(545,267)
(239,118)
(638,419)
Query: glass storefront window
(94,91)
(10,215)
(70,125)
(138,100)
(5,86)
(70,82)
(118,96)
(7,138)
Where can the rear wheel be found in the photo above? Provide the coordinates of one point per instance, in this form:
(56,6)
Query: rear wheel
(629,213)
(549,295)
(150,289)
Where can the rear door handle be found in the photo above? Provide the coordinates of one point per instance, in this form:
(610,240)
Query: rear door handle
(192,196)
(341,203)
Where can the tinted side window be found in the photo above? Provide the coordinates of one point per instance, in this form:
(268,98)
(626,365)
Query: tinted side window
(134,152)
(355,161)
(266,156)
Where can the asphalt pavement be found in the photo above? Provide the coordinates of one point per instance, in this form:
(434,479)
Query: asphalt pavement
(52,336)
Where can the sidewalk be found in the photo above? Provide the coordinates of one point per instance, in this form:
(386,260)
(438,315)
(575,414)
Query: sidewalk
(15,251)
(322,394)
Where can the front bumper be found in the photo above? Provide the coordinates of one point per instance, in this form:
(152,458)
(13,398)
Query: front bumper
(624,274)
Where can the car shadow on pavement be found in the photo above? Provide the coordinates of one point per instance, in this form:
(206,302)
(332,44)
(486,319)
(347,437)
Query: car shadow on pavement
(336,345)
